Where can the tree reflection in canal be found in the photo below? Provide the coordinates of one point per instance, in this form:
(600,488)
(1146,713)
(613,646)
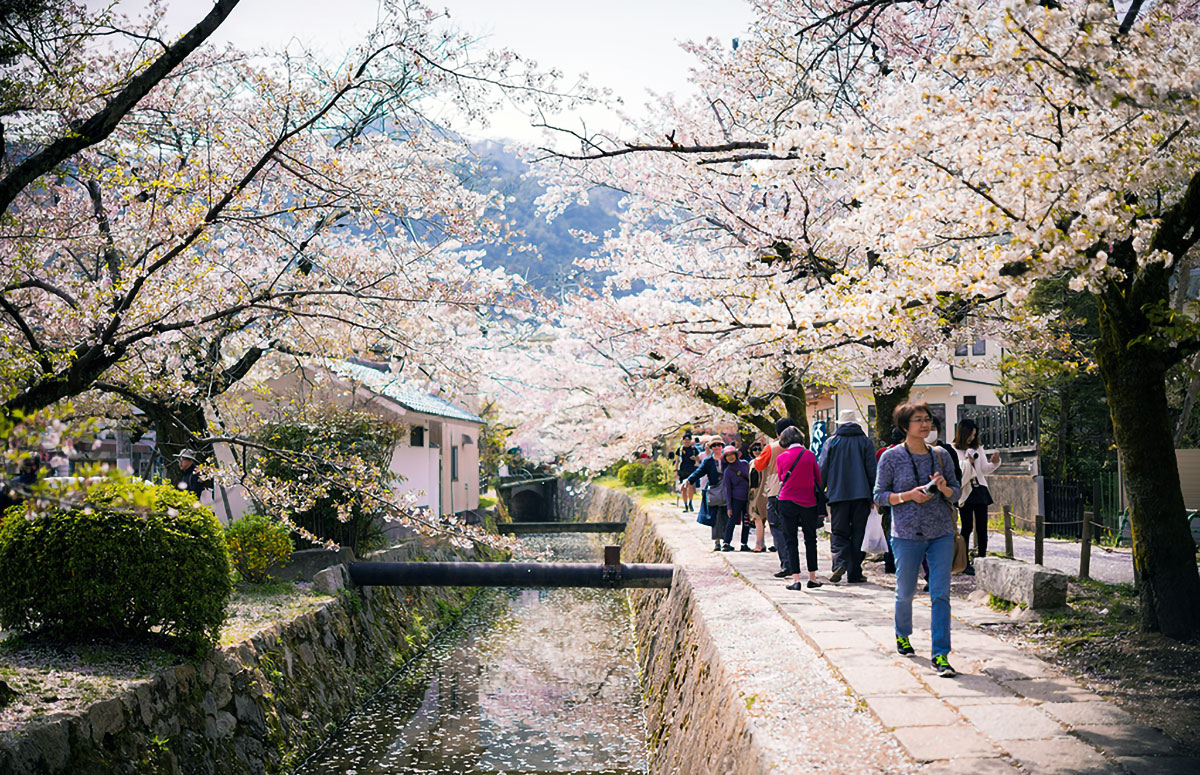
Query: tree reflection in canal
(532,681)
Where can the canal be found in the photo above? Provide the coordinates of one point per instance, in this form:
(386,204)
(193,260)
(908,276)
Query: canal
(529,681)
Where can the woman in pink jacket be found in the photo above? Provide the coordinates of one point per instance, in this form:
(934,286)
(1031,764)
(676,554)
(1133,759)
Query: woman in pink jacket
(800,476)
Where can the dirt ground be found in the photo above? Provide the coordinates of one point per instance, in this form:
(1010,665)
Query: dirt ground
(1155,679)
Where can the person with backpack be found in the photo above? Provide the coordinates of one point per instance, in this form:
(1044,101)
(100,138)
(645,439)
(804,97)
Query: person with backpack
(848,472)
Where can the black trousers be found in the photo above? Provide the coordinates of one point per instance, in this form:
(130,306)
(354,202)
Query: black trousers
(736,515)
(796,517)
(847,525)
(719,518)
(974,517)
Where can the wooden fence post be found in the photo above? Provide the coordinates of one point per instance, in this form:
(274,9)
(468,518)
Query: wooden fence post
(1008,550)
(1039,535)
(1085,551)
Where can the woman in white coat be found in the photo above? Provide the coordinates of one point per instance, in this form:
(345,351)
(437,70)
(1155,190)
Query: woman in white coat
(975,498)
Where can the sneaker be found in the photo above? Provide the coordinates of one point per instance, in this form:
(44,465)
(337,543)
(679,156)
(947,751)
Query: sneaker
(942,665)
(744,548)
(837,574)
(717,546)
(782,574)
(857,580)
(969,570)
(727,548)
(904,647)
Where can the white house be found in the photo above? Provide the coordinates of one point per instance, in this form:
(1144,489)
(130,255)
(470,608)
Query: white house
(439,460)
(973,378)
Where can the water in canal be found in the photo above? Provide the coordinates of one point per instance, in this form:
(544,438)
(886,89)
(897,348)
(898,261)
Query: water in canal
(531,681)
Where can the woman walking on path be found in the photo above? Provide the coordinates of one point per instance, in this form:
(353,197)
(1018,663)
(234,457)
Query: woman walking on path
(735,479)
(917,481)
(975,498)
(800,477)
(713,498)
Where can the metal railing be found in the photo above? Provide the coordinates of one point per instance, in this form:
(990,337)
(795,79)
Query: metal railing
(1009,426)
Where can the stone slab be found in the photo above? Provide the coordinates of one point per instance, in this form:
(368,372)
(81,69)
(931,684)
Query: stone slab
(1087,713)
(1160,765)
(970,767)
(876,681)
(928,744)
(1012,722)
(1034,586)
(1052,690)
(972,686)
(912,711)
(1059,756)
(1128,740)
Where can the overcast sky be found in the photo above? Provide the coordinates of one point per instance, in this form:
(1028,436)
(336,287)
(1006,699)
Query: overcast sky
(627,45)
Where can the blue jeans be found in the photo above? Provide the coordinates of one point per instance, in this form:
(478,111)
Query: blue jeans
(909,553)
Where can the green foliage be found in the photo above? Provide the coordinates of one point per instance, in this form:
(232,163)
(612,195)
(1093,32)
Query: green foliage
(133,558)
(632,474)
(317,454)
(659,476)
(1076,434)
(255,544)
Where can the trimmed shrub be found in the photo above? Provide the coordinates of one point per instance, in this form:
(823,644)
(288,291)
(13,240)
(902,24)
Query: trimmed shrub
(133,558)
(631,474)
(255,544)
(659,476)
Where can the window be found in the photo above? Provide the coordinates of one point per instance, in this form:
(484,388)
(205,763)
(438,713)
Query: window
(979,348)
(454,464)
(416,437)
(968,399)
(960,349)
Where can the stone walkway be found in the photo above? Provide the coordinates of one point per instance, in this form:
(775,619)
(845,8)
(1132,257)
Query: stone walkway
(1007,711)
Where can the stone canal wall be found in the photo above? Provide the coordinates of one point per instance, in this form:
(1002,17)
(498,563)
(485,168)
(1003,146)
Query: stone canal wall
(731,686)
(697,716)
(256,706)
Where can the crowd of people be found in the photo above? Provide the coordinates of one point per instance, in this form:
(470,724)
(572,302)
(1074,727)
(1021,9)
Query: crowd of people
(925,491)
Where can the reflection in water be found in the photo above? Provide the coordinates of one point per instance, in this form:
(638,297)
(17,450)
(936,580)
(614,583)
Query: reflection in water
(532,681)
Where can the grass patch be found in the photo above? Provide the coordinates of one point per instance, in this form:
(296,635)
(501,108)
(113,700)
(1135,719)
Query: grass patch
(1000,604)
(486,501)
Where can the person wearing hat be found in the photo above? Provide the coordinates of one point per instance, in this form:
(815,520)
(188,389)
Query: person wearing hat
(848,472)
(712,500)
(765,464)
(735,479)
(189,474)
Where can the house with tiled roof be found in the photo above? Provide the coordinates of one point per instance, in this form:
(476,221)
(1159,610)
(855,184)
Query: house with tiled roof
(438,462)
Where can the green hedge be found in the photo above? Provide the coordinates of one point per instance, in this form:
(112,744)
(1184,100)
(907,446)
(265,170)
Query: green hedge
(631,474)
(659,476)
(255,544)
(133,558)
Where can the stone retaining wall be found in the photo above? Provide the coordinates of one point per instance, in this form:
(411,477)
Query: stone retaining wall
(254,707)
(697,718)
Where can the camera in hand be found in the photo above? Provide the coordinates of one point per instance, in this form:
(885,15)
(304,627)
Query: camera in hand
(930,488)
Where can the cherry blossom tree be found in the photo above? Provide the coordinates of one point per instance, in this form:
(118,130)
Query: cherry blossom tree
(172,213)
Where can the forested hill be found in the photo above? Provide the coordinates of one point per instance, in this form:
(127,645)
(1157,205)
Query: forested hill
(550,269)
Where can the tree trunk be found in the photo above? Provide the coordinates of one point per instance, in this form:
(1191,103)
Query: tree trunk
(886,401)
(1134,375)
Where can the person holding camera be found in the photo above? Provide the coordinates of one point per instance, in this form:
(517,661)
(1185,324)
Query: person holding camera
(975,498)
(917,481)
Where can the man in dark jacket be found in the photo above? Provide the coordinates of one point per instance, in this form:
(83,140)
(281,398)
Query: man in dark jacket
(848,474)
(189,474)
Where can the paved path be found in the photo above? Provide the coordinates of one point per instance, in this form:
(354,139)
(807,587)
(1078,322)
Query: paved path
(1113,566)
(1007,711)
